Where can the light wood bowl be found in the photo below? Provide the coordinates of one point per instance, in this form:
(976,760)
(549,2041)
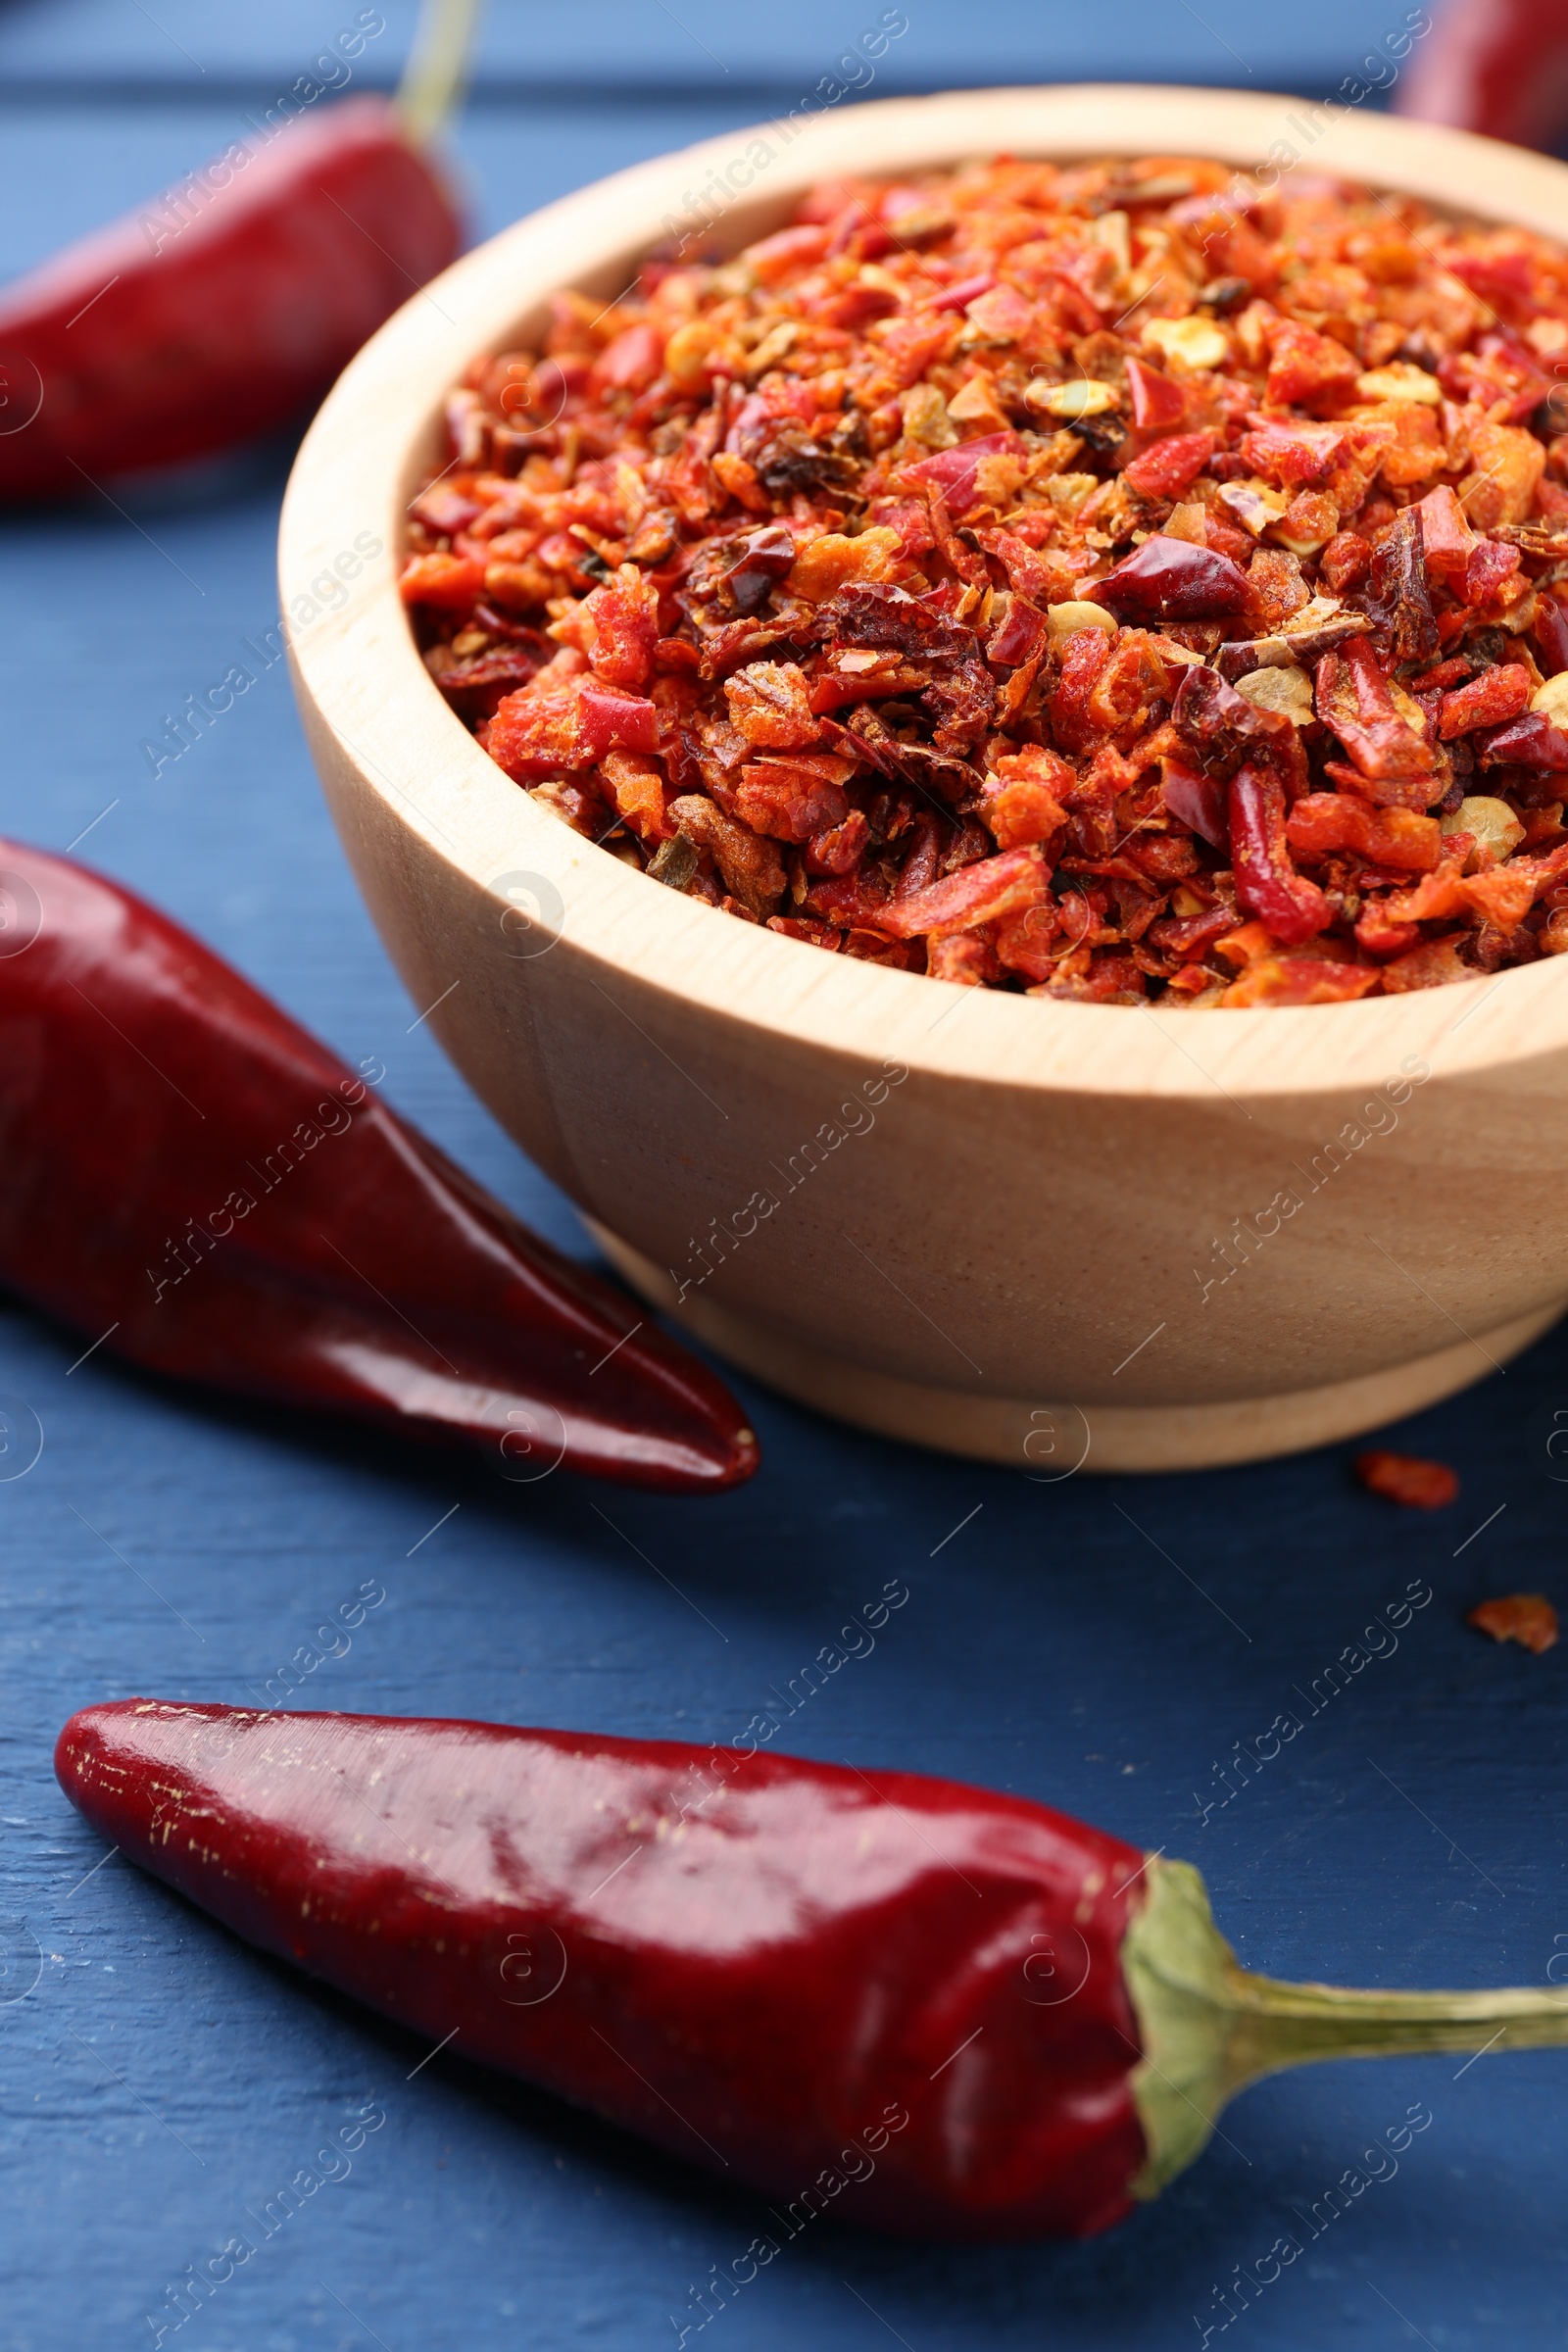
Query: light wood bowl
(1007,1257)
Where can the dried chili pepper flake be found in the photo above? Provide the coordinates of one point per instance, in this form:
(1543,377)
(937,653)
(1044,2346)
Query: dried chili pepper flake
(1111,978)
(1549,635)
(675,862)
(1495,696)
(1531,741)
(749,862)
(837,849)
(910,517)
(984,893)
(1436,963)
(1084,656)
(1020,634)
(1305,367)
(1200,802)
(623,621)
(637,788)
(1267,884)
(1159,401)
(770,703)
(1408,1479)
(1381,727)
(792,798)
(960,296)
(613,721)
(445,509)
(1343,563)
(1191,936)
(1169,467)
(1508,464)
(1220,726)
(1170,579)
(1442,675)
(965,958)
(1245,943)
(1489,568)
(530,735)
(1023,807)
(1320,823)
(1504,896)
(1397,596)
(954,472)
(761,559)
(747,499)
(450,583)
(1448,540)
(1527,1618)
(1286,980)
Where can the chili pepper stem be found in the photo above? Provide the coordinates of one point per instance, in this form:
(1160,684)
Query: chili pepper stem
(437,68)
(1210,2027)
(1278,2025)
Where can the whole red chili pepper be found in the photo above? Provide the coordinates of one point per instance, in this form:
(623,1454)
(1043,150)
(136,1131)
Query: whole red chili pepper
(1267,883)
(989,2020)
(196,323)
(1493,65)
(193,1182)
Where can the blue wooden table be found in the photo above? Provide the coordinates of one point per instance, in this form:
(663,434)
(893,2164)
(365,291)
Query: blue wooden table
(1105,1645)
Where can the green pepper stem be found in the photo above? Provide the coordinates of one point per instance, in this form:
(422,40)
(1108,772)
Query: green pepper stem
(1277,2025)
(1210,2027)
(437,69)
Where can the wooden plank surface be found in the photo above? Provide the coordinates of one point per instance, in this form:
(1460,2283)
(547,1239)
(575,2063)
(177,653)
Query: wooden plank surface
(1103,1645)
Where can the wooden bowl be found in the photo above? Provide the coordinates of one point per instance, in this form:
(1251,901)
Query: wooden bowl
(1041,1233)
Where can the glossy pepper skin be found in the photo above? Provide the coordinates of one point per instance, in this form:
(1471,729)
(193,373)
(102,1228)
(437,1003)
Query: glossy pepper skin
(1494,66)
(188,327)
(966,2016)
(189,1178)
(791,1973)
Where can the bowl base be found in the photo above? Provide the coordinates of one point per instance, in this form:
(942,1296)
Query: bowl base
(1051,1441)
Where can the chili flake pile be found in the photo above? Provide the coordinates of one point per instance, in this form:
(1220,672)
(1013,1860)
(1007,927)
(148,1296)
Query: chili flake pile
(1115,582)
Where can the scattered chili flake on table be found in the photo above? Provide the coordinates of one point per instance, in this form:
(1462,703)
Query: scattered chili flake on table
(1118,583)
(1407,1478)
(1527,1618)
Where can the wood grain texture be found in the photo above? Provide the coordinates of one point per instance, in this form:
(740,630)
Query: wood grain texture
(1048,1181)
(1060,1439)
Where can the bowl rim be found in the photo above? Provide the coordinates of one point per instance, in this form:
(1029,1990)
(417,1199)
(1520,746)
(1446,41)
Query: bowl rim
(358,675)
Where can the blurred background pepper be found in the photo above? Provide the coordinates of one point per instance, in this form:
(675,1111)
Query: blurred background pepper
(1494,66)
(217,309)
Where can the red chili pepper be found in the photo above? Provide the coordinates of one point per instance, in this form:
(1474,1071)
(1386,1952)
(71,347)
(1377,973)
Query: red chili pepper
(206,318)
(1493,65)
(1173,579)
(193,1182)
(1267,884)
(989,2020)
